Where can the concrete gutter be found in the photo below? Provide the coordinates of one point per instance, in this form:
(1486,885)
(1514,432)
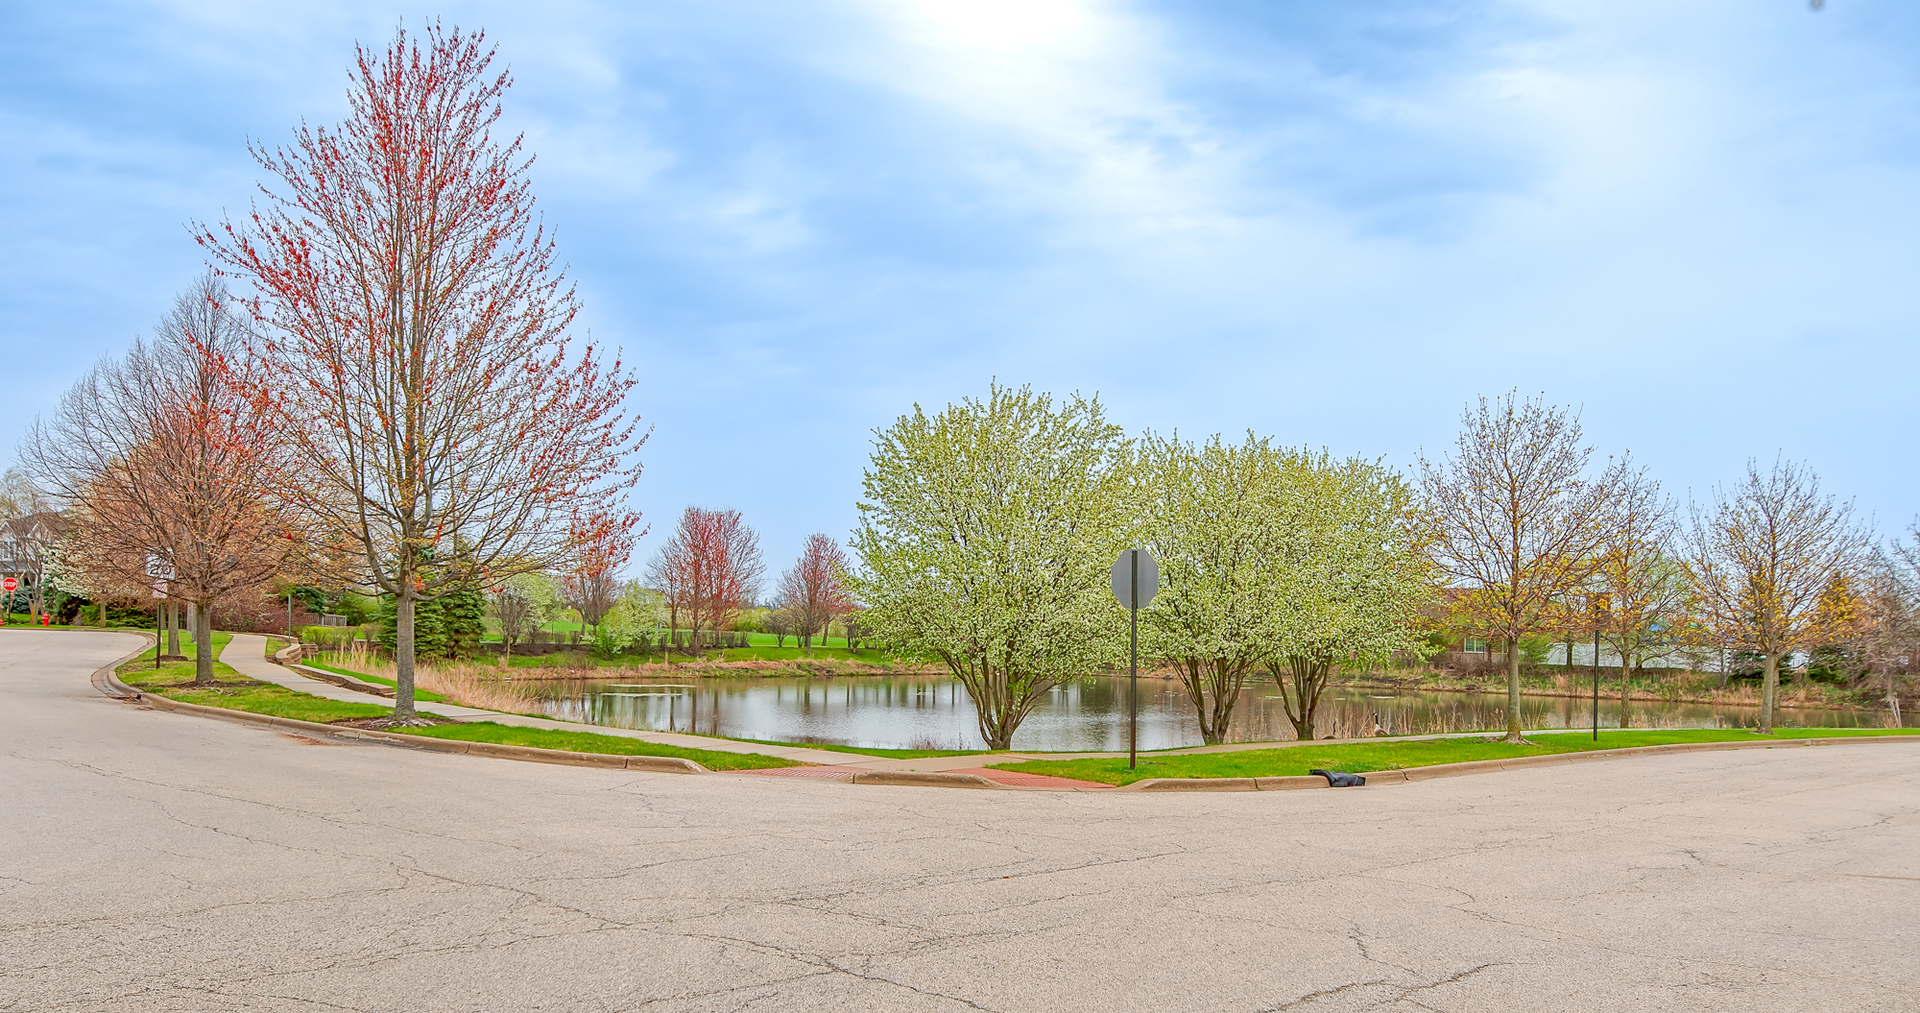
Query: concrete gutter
(106,682)
(929,779)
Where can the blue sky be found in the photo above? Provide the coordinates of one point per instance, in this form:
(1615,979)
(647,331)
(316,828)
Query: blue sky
(1334,223)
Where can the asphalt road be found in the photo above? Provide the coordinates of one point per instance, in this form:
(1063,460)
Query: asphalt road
(154,861)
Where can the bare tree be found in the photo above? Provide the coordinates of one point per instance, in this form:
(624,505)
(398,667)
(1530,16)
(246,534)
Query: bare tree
(414,346)
(1512,522)
(1890,641)
(600,546)
(1640,587)
(811,590)
(1762,556)
(161,456)
(710,569)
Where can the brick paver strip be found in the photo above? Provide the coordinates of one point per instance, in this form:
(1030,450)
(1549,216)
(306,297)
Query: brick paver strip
(1021,779)
(821,773)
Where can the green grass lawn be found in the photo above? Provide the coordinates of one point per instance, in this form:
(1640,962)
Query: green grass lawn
(172,678)
(1289,761)
(220,641)
(172,681)
(588,742)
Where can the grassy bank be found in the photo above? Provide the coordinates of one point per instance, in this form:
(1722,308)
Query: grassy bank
(172,681)
(588,742)
(1290,761)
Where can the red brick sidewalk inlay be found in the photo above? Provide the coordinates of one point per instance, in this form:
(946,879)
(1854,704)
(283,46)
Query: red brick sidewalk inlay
(1019,779)
(822,773)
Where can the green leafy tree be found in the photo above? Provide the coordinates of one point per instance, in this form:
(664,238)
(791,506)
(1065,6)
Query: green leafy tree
(429,627)
(985,536)
(523,604)
(463,619)
(637,611)
(446,627)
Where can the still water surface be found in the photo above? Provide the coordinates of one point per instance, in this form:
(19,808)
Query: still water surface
(933,712)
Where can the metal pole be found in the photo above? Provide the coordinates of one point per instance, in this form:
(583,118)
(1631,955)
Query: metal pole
(159,635)
(1133,659)
(1596,689)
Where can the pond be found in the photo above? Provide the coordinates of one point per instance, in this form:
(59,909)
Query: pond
(933,712)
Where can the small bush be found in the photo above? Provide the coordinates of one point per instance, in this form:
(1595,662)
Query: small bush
(327,636)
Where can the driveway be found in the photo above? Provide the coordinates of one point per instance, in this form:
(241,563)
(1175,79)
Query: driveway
(154,861)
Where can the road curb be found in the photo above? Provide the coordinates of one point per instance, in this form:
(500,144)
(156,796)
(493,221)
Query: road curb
(654,764)
(925,779)
(105,681)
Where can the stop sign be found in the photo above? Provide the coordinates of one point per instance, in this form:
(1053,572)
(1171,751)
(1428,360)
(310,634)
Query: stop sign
(9,583)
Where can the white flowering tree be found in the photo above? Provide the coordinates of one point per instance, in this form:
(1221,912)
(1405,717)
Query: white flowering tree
(1208,515)
(637,611)
(1351,576)
(985,536)
(524,603)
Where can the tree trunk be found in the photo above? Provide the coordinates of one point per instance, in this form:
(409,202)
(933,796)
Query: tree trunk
(1302,685)
(1224,678)
(202,620)
(1626,675)
(403,657)
(173,629)
(1769,688)
(1513,690)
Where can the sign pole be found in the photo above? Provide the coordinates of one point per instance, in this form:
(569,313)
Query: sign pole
(1136,579)
(1133,658)
(1596,690)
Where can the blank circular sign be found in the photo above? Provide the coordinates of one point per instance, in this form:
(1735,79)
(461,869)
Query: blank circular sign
(1134,561)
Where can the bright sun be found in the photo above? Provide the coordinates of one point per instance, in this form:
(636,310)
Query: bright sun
(999,24)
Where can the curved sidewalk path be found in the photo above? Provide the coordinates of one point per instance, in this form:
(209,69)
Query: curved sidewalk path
(246,653)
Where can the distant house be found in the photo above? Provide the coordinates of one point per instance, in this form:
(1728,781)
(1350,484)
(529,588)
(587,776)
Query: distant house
(23,542)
